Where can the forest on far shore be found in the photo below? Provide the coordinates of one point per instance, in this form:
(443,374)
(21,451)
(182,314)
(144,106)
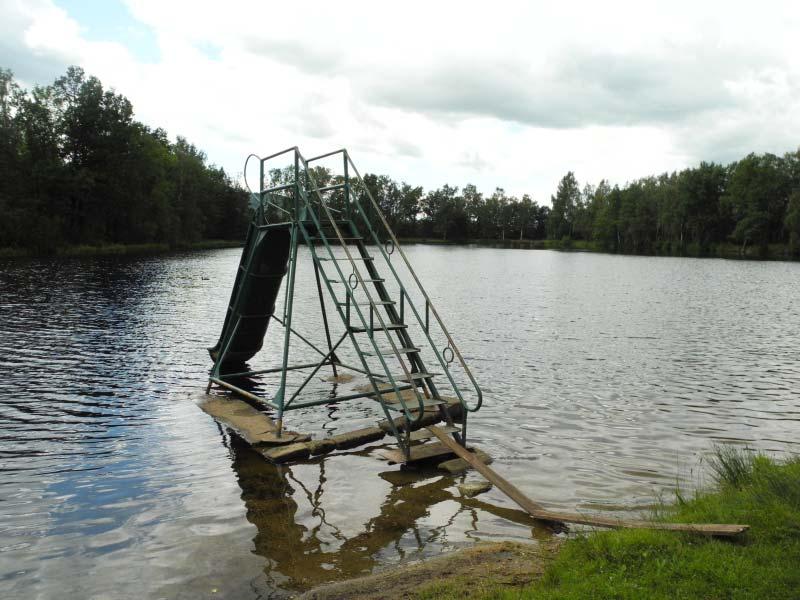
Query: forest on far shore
(77,169)
(752,203)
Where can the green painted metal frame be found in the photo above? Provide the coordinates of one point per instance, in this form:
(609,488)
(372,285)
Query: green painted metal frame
(305,194)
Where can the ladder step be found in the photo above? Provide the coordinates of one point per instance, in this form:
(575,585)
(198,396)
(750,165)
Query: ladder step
(424,434)
(364,258)
(376,303)
(334,238)
(389,327)
(418,453)
(389,351)
(414,377)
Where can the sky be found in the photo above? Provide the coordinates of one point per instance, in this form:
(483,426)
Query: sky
(498,94)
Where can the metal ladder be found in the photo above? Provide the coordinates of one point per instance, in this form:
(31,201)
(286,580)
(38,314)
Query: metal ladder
(340,240)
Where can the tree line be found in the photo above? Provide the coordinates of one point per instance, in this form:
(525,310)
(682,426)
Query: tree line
(77,169)
(753,203)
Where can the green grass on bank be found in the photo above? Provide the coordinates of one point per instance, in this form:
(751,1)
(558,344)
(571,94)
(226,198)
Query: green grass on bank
(631,564)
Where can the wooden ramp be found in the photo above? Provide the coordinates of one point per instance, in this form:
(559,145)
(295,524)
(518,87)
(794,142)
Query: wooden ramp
(537,511)
(252,425)
(258,430)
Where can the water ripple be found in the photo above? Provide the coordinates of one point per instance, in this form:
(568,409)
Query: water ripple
(607,380)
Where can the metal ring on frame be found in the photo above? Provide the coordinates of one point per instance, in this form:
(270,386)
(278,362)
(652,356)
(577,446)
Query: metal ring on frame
(353,280)
(452,355)
(389,246)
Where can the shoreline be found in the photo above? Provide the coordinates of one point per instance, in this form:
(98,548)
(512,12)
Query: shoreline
(119,249)
(775,252)
(628,563)
(476,569)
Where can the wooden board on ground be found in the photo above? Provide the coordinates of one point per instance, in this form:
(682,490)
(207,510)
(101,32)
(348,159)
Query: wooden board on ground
(258,430)
(424,452)
(342,441)
(410,399)
(459,465)
(351,439)
(251,424)
(537,511)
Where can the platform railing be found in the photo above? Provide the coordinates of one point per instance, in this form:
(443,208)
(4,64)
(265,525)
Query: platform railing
(369,326)
(444,356)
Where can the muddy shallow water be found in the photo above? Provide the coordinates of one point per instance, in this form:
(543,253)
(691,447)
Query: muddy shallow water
(607,380)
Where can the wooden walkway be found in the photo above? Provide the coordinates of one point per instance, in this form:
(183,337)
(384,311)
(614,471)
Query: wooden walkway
(258,430)
(537,511)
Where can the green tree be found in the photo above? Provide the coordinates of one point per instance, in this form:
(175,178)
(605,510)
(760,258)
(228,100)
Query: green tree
(792,222)
(757,195)
(78,169)
(562,213)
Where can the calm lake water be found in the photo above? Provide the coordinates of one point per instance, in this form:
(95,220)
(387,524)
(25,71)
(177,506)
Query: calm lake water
(607,380)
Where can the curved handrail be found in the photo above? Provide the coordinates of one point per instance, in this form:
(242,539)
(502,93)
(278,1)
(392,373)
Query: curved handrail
(429,305)
(261,193)
(379,393)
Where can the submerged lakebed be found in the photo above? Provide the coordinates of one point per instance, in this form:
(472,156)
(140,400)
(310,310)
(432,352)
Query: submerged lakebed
(607,381)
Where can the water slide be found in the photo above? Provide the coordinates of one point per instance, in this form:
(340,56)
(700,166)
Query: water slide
(258,281)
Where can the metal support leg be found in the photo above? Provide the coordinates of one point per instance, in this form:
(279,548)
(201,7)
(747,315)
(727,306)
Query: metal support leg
(287,319)
(325,318)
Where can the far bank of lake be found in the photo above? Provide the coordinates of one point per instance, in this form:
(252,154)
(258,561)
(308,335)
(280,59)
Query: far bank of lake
(732,251)
(729,251)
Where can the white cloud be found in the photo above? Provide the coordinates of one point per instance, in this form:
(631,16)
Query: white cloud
(508,94)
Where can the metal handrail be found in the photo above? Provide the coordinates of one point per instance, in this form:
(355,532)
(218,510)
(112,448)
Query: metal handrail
(373,306)
(370,328)
(429,305)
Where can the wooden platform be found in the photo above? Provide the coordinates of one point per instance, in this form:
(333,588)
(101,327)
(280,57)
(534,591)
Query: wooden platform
(250,424)
(538,511)
(421,453)
(459,465)
(258,430)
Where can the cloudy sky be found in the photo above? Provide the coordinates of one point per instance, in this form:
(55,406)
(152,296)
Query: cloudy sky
(509,94)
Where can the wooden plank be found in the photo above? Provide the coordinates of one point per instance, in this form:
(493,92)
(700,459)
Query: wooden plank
(280,454)
(424,434)
(251,424)
(258,430)
(459,465)
(539,512)
(359,437)
(418,453)
(342,441)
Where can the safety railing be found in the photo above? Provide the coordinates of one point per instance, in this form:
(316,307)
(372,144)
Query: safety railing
(353,198)
(450,352)
(352,303)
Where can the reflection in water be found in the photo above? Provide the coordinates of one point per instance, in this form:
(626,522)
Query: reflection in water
(607,379)
(305,550)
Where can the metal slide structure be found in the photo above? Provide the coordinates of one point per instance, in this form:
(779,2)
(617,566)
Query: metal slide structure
(387,316)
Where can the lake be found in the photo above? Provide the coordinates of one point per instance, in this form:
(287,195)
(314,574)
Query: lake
(607,381)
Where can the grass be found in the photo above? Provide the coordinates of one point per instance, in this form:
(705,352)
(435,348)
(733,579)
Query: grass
(626,564)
